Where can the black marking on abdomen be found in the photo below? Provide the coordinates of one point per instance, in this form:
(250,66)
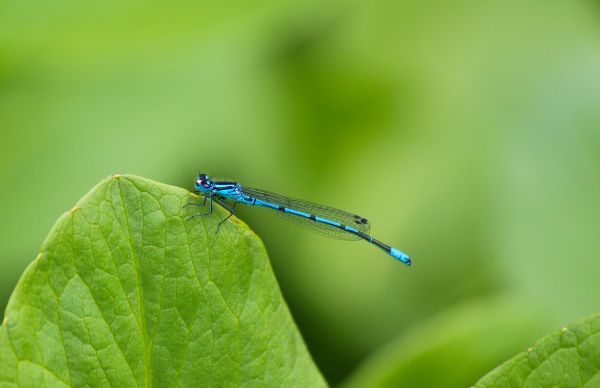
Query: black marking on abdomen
(373,241)
(346,228)
(281,208)
(312,217)
(381,245)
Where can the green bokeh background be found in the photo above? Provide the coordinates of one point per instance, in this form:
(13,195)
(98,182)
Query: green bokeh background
(467,132)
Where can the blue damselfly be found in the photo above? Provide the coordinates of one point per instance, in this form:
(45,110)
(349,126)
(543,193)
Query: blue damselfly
(318,218)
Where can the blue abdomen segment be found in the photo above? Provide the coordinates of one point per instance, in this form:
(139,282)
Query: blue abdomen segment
(403,257)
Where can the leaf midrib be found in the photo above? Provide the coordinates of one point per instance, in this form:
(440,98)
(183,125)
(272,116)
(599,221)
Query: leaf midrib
(142,320)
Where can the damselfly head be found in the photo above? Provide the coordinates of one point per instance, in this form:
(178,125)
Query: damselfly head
(202,182)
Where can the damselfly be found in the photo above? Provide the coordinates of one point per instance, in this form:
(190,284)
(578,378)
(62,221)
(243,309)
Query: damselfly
(318,218)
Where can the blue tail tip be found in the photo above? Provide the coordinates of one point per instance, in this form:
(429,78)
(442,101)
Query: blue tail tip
(403,257)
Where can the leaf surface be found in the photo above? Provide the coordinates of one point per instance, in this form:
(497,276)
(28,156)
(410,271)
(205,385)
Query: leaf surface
(569,357)
(127,292)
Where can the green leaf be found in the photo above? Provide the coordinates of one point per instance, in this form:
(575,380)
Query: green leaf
(459,345)
(566,358)
(127,292)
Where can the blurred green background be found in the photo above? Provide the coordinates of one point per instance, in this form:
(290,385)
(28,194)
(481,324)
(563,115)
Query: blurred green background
(468,133)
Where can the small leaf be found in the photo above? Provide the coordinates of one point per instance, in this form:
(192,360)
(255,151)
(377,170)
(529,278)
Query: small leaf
(127,292)
(566,358)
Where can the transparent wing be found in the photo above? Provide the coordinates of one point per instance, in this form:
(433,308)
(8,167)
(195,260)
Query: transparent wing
(345,218)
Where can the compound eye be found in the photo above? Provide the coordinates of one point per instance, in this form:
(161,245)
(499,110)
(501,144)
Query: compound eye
(200,181)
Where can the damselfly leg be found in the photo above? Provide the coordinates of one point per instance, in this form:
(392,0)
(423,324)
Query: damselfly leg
(210,210)
(221,201)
